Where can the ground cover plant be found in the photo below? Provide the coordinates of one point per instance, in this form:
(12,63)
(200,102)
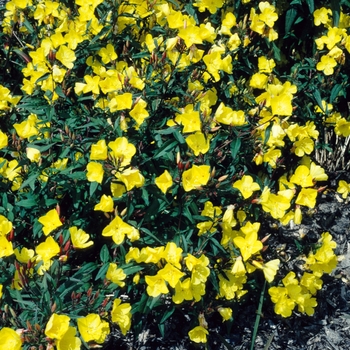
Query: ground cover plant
(146,147)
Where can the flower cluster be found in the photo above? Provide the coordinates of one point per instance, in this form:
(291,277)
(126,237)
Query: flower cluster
(144,148)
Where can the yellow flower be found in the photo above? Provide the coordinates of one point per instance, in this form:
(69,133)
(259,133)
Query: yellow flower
(189,118)
(99,151)
(227,23)
(24,255)
(47,250)
(117,229)
(121,315)
(302,176)
(170,274)
(327,65)
(131,178)
(156,285)
(164,181)
(106,204)
(321,16)
(265,65)
(303,146)
(28,127)
(225,115)
(69,340)
(225,312)
(122,151)
(198,334)
(10,339)
(57,326)
(307,197)
(211,5)
(92,328)
(50,221)
(342,127)
(173,254)
(139,112)
(3,140)
(115,275)
(269,269)
(33,154)
(66,56)
(5,226)
(258,81)
(199,143)
(107,54)
(282,105)
(190,35)
(6,248)
(94,172)
(246,186)
(119,102)
(80,239)
(195,177)
(343,188)
(248,245)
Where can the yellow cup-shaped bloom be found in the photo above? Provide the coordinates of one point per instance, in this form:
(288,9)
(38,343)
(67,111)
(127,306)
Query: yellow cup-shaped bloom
(199,143)
(9,339)
(99,151)
(307,197)
(195,177)
(156,285)
(3,140)
(95,172)
(106,204)
(80,239)
(225,312)
(57,326)
(69,341)
(66,56)
(6,248)
(198,334)
(92,328)
(116,275)
(33,154)
(5,226)
(164,181)
(121,314)
(50,221)
(24,255)
(48,249)
(131,178)
(122,150)
(246,186)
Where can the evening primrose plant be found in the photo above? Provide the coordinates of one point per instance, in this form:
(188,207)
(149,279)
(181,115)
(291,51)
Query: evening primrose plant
(146,147)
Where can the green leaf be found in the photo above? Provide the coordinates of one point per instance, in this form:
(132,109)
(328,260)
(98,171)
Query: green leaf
(104,254)
(235,147)
(335,6)
(311,5)
(27,203)
(335,92)
(165,149)
(317,96)
(30,181)
(130,270)
(102,272)
(150,234)
(93,187)
(290,18)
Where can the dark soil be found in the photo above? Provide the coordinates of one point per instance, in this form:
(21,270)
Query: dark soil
(328,328)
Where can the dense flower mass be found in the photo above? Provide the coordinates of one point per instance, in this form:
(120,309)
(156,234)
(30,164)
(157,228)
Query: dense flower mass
(144,147)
